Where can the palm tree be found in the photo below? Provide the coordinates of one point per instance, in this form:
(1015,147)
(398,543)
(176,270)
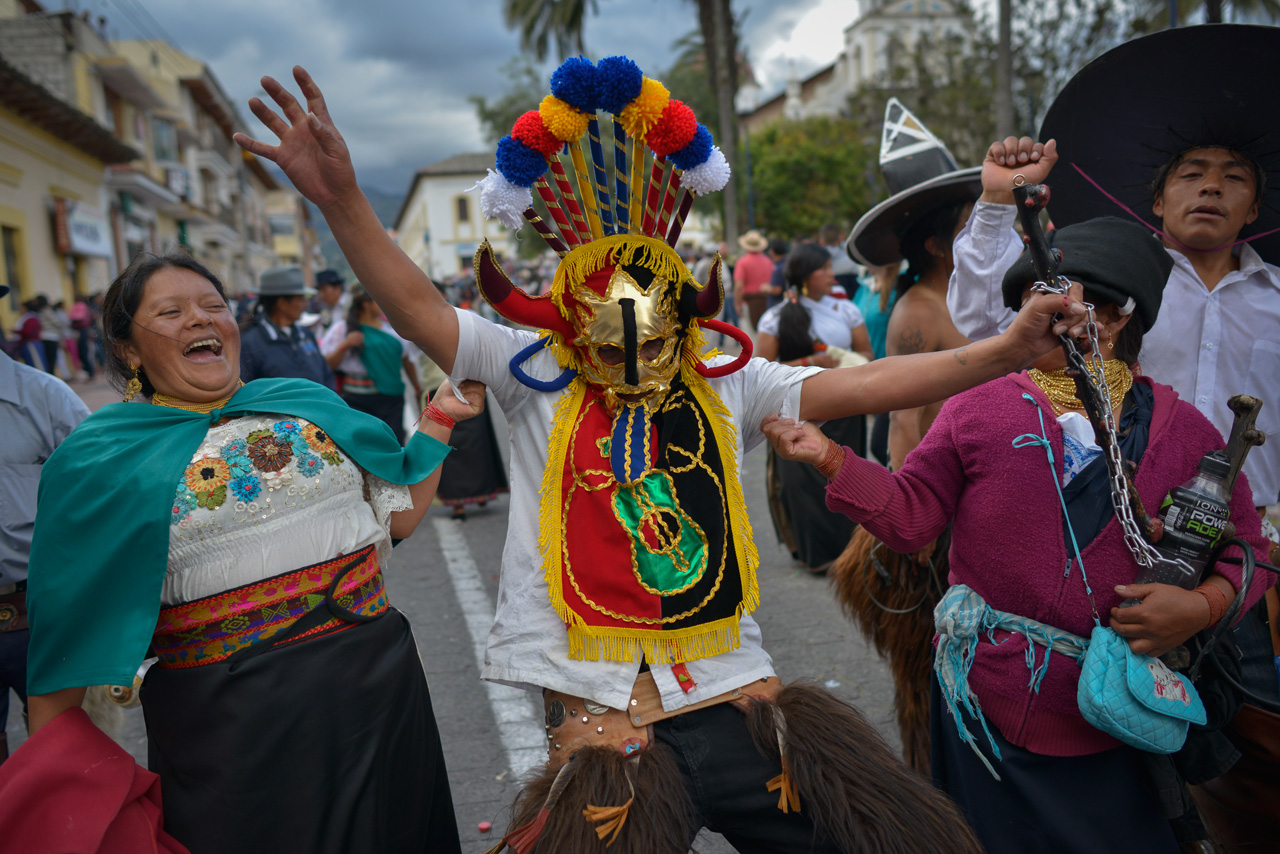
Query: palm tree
(541,22)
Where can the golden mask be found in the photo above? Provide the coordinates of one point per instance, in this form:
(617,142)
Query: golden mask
(628,338)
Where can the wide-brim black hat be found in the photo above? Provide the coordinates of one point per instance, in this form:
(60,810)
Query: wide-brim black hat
(1132,110)
(875,238)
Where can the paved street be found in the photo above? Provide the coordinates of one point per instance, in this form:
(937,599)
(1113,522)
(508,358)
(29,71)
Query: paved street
(445,578)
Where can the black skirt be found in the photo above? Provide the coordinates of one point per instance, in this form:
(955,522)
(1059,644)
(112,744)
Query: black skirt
(816,535)
(1048,804)
(327,746)
(473,471)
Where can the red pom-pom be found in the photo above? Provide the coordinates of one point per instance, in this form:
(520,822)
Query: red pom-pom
(530,130)
(674,130)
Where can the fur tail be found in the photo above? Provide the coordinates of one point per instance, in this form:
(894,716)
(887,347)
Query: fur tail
(890,598)
(853,787)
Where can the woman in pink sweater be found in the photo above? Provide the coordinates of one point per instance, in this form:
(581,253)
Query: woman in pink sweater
(1065,786)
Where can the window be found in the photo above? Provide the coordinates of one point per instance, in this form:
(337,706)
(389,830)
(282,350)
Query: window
(463,205)
(164,142)
(281,225)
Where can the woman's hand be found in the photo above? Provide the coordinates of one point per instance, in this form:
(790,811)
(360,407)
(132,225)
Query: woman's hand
(1034,331)
(353,339)
(311,151)
(823,359)
(794,440)
(446,400)
(1166,616)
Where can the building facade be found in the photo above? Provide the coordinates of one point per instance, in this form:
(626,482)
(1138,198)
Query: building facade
(440,225)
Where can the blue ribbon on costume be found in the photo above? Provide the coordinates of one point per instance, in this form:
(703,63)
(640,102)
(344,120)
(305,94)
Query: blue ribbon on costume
(629,444)
(538,385)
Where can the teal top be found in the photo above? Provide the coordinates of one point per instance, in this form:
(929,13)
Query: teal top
(381,354)
(868,302)
(101,542)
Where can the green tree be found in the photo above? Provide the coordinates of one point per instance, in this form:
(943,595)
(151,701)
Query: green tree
(808,173)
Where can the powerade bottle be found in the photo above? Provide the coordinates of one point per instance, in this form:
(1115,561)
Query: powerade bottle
(1194,516)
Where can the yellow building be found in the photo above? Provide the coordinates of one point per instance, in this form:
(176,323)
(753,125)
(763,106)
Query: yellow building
(55,234)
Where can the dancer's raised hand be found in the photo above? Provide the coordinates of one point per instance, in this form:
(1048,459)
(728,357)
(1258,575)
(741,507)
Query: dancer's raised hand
(311,151)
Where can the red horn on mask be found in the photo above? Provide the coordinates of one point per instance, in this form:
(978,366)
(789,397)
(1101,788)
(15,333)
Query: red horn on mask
(708,301)
(511,302)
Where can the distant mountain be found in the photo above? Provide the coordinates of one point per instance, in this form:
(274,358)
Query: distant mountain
(385,205)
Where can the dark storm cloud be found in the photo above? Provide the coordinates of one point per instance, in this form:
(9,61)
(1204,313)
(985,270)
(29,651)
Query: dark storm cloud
(397,73)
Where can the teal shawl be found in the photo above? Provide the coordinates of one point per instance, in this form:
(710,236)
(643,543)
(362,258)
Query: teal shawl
(101,542)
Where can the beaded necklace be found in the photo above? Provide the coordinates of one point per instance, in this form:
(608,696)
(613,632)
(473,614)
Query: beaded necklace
(1061,389)
(178,403)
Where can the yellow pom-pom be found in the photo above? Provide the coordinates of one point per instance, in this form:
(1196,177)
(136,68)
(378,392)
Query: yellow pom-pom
(644,112)
(562,120)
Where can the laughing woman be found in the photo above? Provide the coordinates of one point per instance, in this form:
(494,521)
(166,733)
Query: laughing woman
(241,533)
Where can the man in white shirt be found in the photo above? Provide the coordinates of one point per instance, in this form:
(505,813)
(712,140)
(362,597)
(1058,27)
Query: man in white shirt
(625,497)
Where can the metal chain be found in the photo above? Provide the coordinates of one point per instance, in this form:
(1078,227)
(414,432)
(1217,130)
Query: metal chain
(1094,375)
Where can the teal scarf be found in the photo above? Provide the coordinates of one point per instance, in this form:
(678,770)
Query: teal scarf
(101,542)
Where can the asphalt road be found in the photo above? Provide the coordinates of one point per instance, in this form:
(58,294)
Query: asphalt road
(445,576)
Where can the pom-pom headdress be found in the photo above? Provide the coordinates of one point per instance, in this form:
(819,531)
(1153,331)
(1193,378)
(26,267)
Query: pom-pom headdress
(629,205)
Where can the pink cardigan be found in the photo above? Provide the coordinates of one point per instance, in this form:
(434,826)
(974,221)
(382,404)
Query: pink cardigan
(1007,541)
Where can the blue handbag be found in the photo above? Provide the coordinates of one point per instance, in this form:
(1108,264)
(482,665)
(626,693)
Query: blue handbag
(1135,698)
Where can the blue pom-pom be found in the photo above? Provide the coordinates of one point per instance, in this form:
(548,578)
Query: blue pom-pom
(695,153)
(519,163)
(574,82)
(618,82)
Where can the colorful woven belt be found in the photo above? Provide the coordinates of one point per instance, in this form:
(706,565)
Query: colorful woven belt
(216,627)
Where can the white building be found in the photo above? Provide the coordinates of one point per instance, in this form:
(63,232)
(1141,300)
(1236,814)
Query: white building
(883,37)
(439,224)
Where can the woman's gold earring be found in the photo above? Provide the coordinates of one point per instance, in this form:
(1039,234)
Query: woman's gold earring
(133,386)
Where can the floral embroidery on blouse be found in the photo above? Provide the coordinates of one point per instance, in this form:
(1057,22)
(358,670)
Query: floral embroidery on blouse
(243,468)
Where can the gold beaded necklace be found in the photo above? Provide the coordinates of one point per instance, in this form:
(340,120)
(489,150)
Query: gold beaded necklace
(1061,389)
(178,403)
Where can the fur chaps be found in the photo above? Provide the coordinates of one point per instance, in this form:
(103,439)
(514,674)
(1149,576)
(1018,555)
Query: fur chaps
(660,818)
(891,599)
(852,786)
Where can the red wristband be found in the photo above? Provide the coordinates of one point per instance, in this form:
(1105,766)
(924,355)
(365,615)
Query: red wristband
(1217,601)
(437,415)
(832,461)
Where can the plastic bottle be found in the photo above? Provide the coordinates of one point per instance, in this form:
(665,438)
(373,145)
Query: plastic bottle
(1194,516)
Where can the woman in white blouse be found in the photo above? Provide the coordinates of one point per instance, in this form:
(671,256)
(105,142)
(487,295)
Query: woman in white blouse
(288,710)
(811,327)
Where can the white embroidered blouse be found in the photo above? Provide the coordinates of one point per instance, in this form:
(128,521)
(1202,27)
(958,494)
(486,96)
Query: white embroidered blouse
(264,495)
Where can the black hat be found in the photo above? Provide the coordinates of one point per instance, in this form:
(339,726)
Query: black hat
(922,176)
(1114,259)
(1130,111)
(329,277)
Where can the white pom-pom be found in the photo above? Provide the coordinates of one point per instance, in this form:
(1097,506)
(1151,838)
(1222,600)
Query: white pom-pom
(708,177)
(503,201)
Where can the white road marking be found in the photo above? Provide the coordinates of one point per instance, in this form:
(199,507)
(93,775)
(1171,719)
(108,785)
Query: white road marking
(518,716)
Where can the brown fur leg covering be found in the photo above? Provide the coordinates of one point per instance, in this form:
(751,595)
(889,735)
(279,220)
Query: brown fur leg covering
(894,611)
(659,821)
(860,796)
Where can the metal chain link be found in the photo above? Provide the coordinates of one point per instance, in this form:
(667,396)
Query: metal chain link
(1094,375)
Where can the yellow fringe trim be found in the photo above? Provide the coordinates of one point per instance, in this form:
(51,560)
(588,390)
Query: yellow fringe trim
(552,505)
(592,643)
(722,427)
(651,253)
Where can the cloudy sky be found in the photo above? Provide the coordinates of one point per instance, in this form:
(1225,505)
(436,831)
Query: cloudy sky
(397,73)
